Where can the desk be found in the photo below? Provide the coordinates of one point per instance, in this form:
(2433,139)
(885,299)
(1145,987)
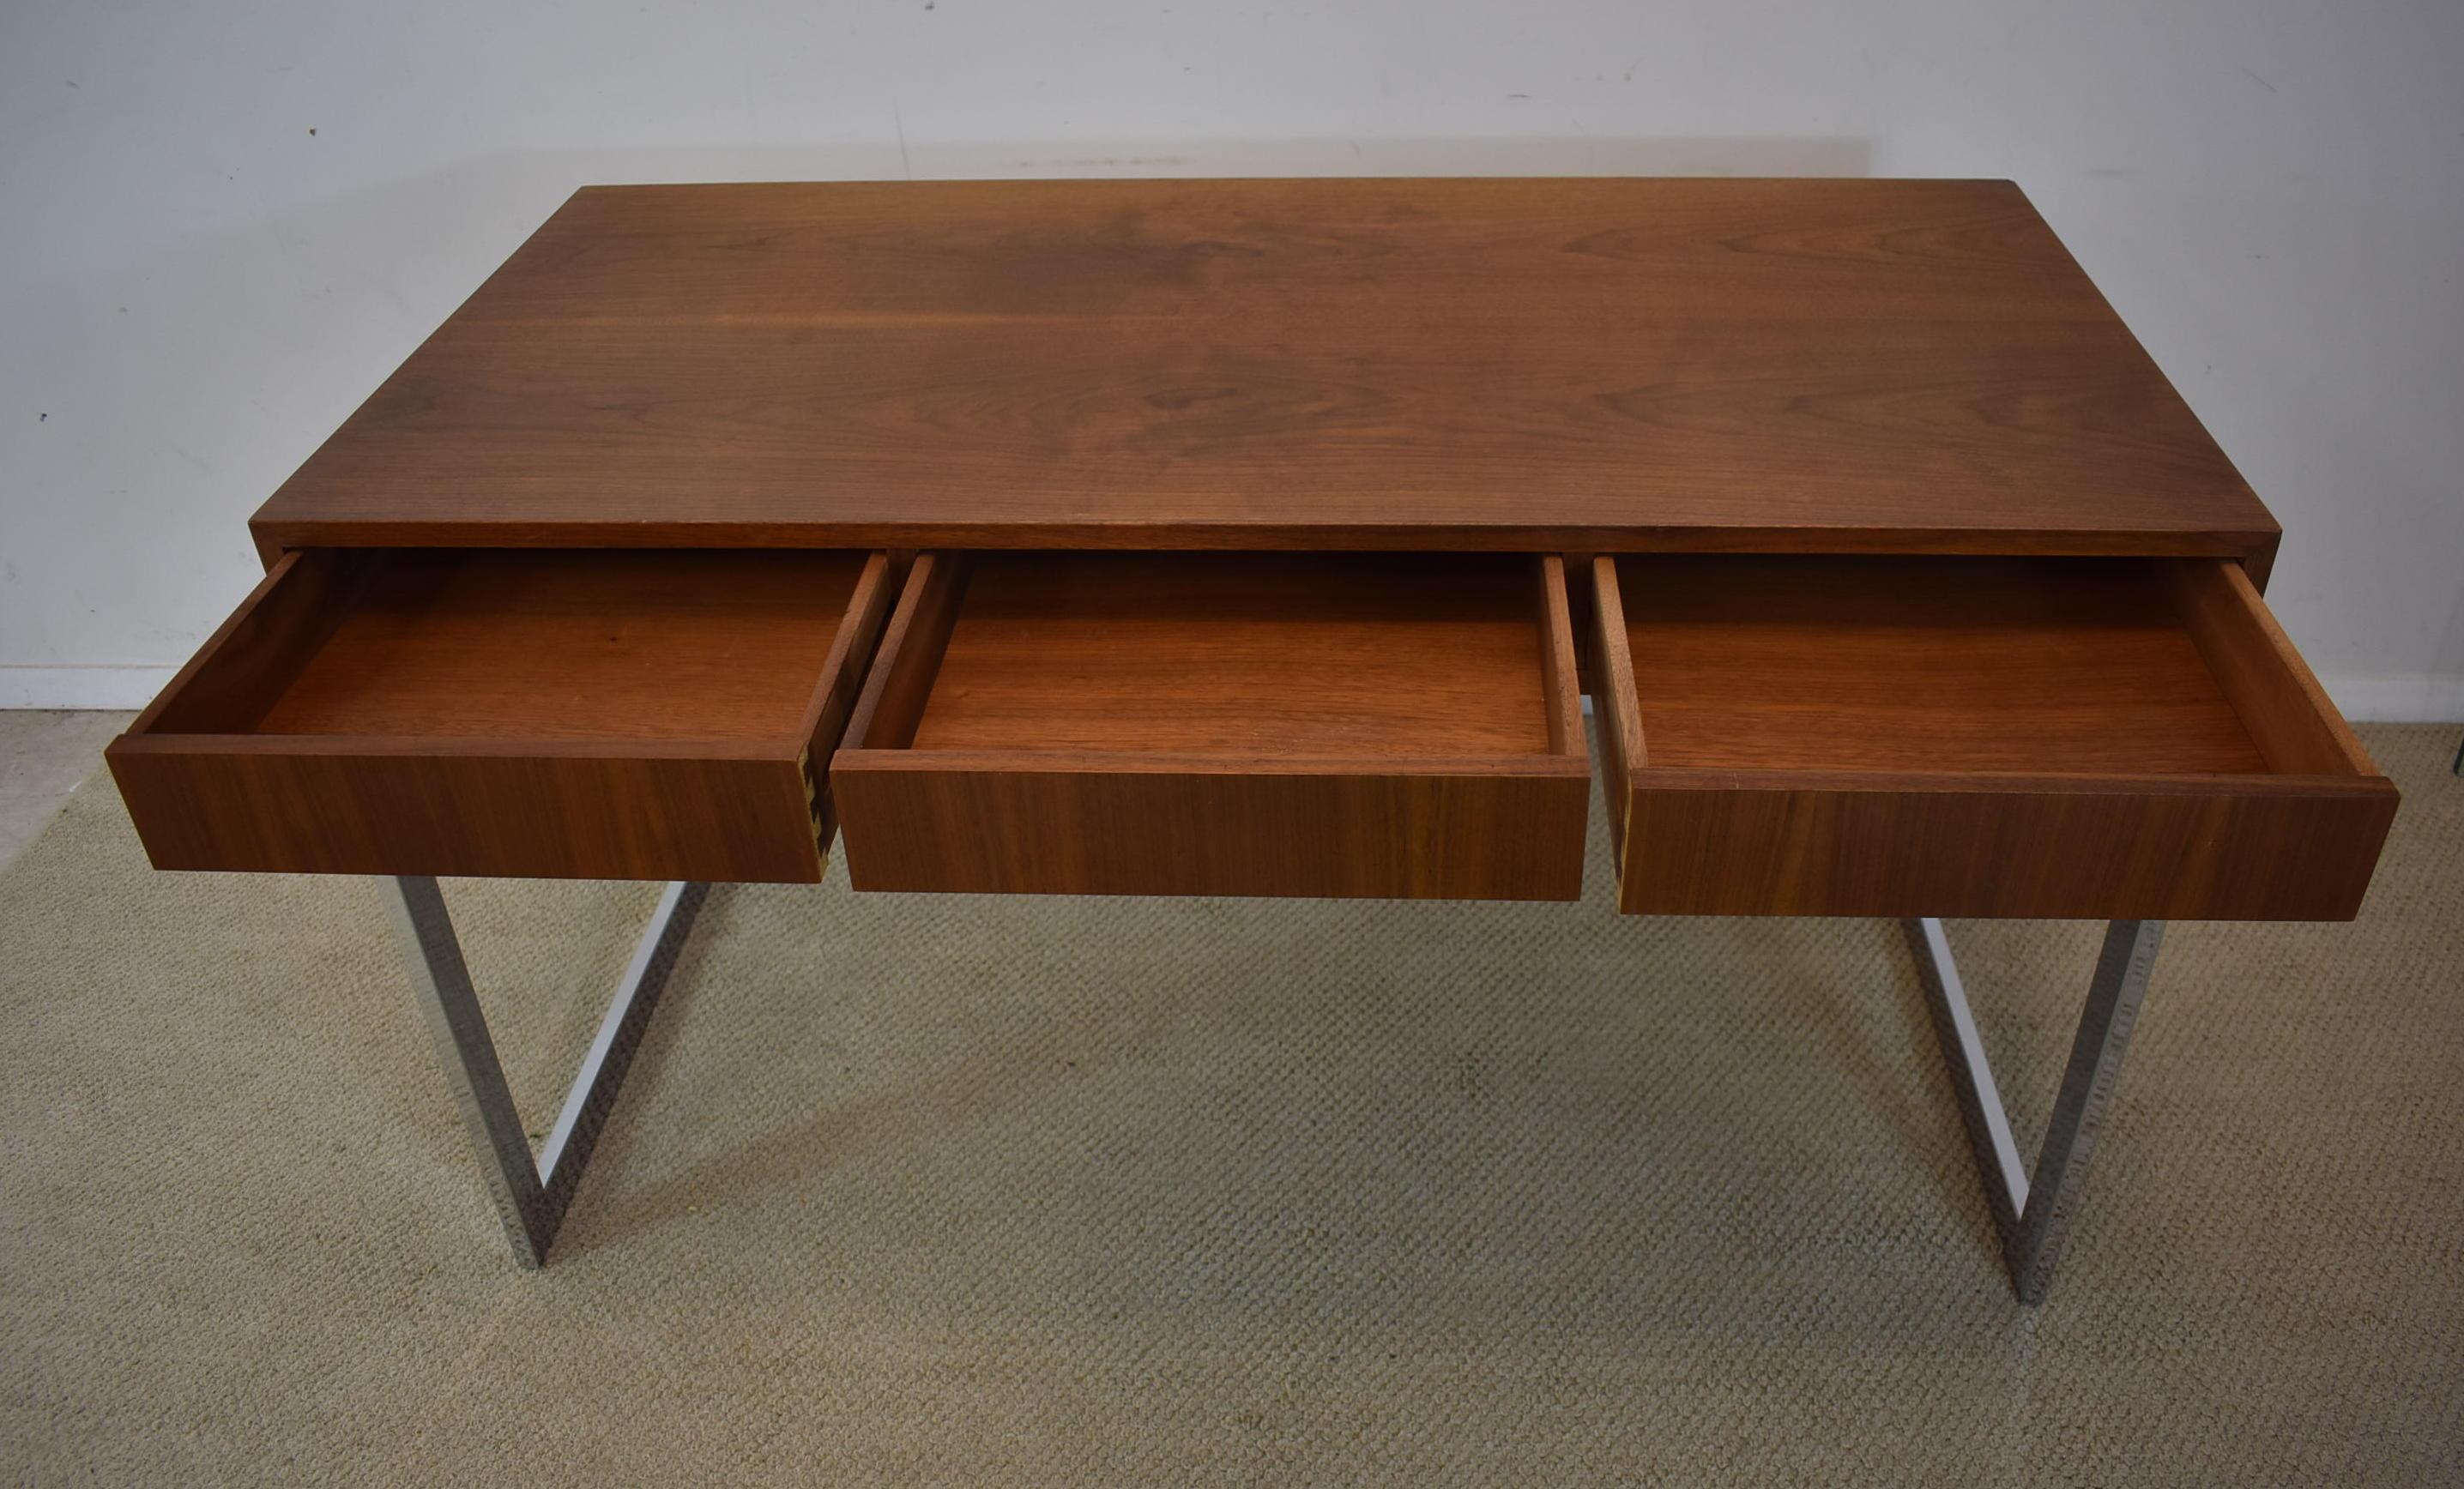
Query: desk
(1264,538)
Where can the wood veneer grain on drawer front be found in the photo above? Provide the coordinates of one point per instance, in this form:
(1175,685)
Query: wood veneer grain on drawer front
(1715,843)
(1077,806)
(341,806)
(1021,825)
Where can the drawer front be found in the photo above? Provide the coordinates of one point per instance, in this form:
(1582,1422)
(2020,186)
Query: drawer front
(603,715)
(2091,738)
(998,830)
(1089,725)
(333,812)
(2197,851)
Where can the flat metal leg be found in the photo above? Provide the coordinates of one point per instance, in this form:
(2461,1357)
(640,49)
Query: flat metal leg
(2032,1214)
(531,1193)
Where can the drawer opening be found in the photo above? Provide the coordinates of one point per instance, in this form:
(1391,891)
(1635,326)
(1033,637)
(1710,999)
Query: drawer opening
(605,713)
(1412,701)
(609,645)
(1233,657)
(2055,736)
(1997,665)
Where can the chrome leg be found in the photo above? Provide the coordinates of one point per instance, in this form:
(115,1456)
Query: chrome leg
(2032,1213)
(531,1193)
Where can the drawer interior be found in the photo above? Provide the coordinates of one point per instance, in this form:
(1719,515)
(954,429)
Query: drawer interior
(523,713)
(1230,657)
(525,645)
(2036,665)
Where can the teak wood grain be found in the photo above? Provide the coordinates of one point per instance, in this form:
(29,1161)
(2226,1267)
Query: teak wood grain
(2057,737)
(555,715)
(1948,664)
(1305,654)
(1335,725)
(1603,365)
(1926,593)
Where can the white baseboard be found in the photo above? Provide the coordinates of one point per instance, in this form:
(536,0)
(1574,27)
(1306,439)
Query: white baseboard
(2398,700)
(2393,700)
(109,686)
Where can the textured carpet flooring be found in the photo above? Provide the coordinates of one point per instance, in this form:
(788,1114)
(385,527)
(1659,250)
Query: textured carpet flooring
(1039,1192)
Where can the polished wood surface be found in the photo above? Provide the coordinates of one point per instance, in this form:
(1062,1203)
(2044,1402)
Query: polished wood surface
(1624,747)
(1561,674)
(1927,594)
(2040,737)
(1220,723)
(345,806)
(2287,713)
(596,714)
(2156,847)
(1536,364)
(2052,665)
(1010,823)
(574,644)
(1307,654)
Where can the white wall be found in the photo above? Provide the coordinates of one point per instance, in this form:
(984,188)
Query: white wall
(221,225)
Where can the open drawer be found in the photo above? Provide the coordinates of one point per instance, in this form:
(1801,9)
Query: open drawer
(2094,737)
(1271,724)
(605,713)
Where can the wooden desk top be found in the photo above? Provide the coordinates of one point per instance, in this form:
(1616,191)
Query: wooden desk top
(1573,364)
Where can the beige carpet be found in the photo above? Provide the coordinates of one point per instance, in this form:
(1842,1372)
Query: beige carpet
(934,1191)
